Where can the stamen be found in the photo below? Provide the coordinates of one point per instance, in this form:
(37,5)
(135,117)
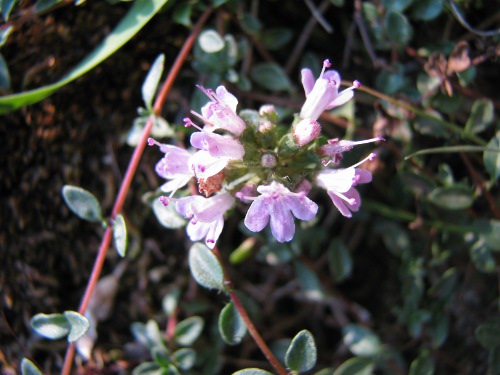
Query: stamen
(370,157)
(164,200)
(350,201)
(326,64)
(152,142)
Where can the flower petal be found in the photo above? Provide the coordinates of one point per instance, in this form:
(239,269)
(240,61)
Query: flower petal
(257,215)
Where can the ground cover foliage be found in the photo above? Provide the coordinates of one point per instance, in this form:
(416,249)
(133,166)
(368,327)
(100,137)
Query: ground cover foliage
(409,284)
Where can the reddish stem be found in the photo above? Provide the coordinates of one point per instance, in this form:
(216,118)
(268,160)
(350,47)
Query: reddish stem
(129,175)
(256,336)
(248,322)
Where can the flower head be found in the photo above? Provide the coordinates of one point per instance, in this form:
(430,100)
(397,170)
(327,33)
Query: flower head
(206,216)
(276,204)
(220,112)
(323,94)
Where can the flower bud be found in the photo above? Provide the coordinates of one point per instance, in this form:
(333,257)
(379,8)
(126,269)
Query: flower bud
(306,131)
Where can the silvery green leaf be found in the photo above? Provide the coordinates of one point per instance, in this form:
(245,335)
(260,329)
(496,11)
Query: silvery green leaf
(232,328)
(51,326)
(301,354)
(188,330)
(120,235)
(210,41)
(205,267)
(83,203)
(150,84)
(79,325)
(29,368)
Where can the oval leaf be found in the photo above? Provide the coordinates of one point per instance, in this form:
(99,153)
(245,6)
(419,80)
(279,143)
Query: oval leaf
(270,76)
(491,159)
(120,235)
(426,10)
(184,358)
(167,216)
(355,366)
(51,326)
(301,354)
(205,267)
(422,365)
(188,330)
(488,334)
(361,341)
(252,371)
(150,84)
(29,368)
(339,260)
(397,27)
(79,325)
(83,203)
(232,328)
(276,38)
(481,116)
(452,198)
(210,41)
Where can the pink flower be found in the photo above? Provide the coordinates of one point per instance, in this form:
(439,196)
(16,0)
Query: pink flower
(323,94)
(306,131)
(206,216)
(220,113)
(339,184)
(276,204)
(173,166)
(216,151)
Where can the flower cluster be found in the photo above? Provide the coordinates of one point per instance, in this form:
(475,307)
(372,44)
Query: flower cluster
(247,158)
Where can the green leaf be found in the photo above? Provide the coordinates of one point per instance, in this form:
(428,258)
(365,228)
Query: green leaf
(188,330)
(42,6)
(397,28)
(356,366)
(160,356)
(422,365)
(488,334)
(167,216)
(29,368)
(138,15)
(232,328)
(6,8)
(252,371)
(308,281)
(210,41)
(339,260)
(51,326)
(361,341)
(205,267)
(426,10)
(184,358)
(170,301)
(83,203)
(4,74)
(396,5)
(271,77)
(301,354)
(120,235)
(4,34)
(482,257)
(182,14)
(79,325)
(426,125)
(481,116)
(276,38)
(489,232)
(150,85)
(491,159)
(250,24)
(390,82)
(454,197)
(148,368)
(147,334)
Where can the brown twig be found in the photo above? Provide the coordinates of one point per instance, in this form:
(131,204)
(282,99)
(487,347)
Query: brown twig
(129,175)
